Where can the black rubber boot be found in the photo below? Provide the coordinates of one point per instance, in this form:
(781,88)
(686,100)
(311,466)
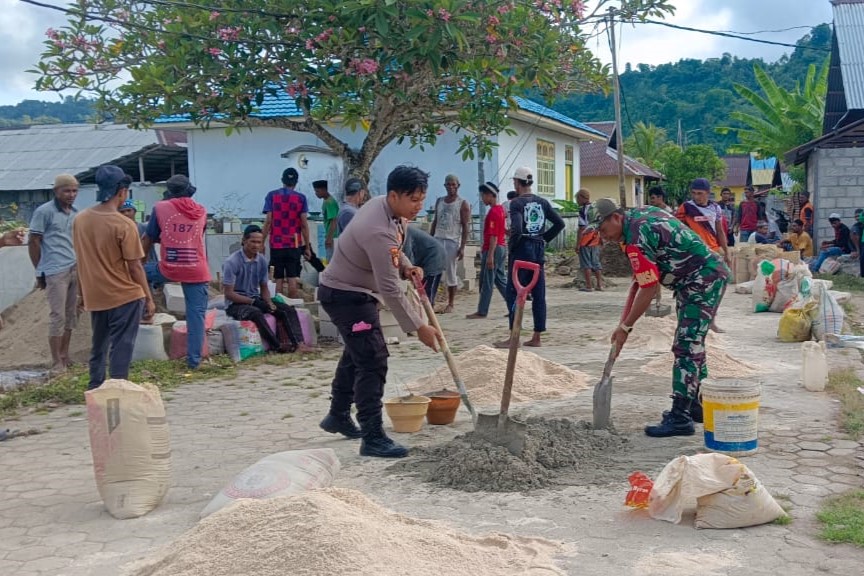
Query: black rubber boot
(341,424)
(376,443)
(676,422)
(696,411)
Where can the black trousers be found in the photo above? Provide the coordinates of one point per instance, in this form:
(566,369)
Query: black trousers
(362,370)
(287,323)
(115,329)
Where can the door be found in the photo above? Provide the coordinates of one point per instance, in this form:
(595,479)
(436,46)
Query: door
(568,173)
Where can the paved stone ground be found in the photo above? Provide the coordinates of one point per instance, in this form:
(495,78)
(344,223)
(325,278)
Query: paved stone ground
(52,520)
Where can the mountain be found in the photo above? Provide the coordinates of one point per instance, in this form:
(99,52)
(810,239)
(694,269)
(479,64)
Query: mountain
(69,110)
(698,93)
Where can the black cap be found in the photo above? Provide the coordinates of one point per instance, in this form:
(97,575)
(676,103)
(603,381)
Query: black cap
(179,185)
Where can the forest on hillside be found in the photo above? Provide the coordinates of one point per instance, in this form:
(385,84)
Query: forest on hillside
(698,93)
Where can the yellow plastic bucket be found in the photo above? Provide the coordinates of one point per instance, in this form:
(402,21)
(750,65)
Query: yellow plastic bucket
(731,416)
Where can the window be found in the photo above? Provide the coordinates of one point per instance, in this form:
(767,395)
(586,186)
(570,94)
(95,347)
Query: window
(568,172)
(545,168)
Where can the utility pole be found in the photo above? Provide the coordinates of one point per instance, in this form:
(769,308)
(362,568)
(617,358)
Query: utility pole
(619,147)
(481,178)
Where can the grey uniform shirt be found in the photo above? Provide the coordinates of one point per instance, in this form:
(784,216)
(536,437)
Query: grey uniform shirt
(55,227)
(368,258)
(346,213)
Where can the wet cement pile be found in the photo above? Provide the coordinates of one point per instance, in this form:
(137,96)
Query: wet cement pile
(556,452)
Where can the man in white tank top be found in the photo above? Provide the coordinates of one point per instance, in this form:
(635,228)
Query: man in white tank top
(450,227)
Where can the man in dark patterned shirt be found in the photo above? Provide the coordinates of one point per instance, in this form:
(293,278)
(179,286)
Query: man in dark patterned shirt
(663,251)
(286,225)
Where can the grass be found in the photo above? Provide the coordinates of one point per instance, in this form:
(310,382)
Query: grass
(844,385)
(844,282)
(843,519)
(69,388)
(784,520)
(287,416)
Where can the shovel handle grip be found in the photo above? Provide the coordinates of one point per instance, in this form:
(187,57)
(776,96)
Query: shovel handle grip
(522,291)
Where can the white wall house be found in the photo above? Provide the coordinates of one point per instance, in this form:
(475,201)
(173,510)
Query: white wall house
(236,171)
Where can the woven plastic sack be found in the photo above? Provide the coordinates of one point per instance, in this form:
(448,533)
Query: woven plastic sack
(149,343)
(722,490)
(131,446)
(764,287)
(796,323)
(829,316)
(277,475)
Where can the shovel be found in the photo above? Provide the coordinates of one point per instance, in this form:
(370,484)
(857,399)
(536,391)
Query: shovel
(603,388)
(500,428)
(445,349)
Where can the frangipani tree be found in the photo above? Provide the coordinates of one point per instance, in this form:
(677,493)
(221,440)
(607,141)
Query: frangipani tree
(399,69)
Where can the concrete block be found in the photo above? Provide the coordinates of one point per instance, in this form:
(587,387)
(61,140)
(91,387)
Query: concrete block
(175,302)
(827,182)
(844,162)
(847,181)
(469,284)
(831,170)
(314,308)
(827,203)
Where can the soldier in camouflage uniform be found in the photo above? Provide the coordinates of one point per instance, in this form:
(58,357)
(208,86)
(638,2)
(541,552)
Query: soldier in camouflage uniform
(662,250)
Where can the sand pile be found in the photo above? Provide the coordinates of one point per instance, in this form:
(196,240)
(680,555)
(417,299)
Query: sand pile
(557,451)
(24,339)
(482,370)
(339,531)
(656,334)
(720,365)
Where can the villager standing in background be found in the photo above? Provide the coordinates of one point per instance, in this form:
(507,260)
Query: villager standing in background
(493,271)
(356,195)
(178,225)
(450,227)
(588,241)
(287,226)
(53,257)
(330,212)
(426,252)
(113,283)
(749,213)
(529,216)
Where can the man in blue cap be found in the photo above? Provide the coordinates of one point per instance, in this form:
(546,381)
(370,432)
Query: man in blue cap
(112,280)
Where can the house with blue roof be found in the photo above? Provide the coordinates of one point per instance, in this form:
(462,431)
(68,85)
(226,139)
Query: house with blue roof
(238,170)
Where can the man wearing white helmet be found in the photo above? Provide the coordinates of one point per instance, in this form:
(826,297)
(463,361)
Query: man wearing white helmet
(529,234)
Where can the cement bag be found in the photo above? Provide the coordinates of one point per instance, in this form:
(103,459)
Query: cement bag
(787,291)
(281,474)
(130,443)
(764,288)
(744,287)
(685,479)
(829,267)
(745,503)
(796,323)
(149,343)
(829,316)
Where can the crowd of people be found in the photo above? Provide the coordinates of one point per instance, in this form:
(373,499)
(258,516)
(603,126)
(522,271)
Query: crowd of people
(102,260)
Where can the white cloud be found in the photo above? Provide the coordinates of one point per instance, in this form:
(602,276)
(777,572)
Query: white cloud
(22,28)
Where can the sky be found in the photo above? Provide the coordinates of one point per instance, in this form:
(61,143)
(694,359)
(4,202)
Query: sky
(22,28)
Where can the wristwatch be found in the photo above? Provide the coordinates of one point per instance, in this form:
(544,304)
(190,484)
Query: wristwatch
(625,328)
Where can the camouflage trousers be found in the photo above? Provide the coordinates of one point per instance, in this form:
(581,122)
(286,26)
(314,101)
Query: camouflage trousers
(697,305)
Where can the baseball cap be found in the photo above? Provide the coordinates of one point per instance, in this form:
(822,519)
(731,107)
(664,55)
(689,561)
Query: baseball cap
(490,188)
(128,205)
(524,173)
(108,180)
(603,208)
(700,184)
(834,216)
(179,185)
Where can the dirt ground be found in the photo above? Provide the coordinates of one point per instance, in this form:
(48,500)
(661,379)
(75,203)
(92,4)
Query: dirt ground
(219,428)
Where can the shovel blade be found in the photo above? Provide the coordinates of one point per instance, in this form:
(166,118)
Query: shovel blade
(603,403)
(503,431)
(659,311)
